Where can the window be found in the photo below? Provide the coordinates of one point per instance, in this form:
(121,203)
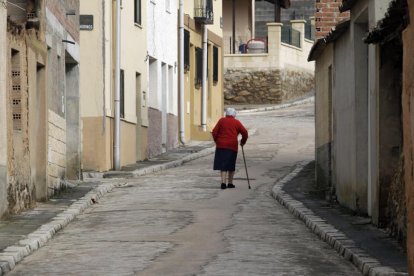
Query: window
(137,11)
(199,66)
(215,64)
(122,94)
(186,51)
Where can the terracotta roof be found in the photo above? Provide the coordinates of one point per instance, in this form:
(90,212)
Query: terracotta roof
(347,5)
(334,34)
(394,22)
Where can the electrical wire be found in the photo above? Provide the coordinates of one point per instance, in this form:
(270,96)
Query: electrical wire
(15,5)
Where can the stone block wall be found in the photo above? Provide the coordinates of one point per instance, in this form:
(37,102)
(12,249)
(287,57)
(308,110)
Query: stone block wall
(272,86)
(172,131)
(56,151)
(242,86)
(154,132)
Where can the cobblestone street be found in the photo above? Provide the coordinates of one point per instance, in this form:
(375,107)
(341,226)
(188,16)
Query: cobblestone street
(179,222)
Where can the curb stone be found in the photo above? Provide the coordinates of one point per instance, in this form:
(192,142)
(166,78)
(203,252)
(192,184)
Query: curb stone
(328,233)
(280,106)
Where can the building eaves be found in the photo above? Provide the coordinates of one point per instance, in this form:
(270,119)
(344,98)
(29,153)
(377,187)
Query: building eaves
(395,21)
(334,34)
(347,5)
(283,3)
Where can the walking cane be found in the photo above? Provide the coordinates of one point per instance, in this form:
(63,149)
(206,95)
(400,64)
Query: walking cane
(245,166)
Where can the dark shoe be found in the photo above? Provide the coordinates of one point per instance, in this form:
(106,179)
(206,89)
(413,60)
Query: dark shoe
(223,186)
(230,185)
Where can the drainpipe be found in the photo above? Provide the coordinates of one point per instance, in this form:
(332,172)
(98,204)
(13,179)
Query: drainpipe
(181,69)
(234,26)
(204,82)
(117,115)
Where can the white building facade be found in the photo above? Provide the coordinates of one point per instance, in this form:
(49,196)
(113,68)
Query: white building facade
(162,76)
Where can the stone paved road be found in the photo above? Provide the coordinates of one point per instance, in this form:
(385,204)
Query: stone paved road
(178,222)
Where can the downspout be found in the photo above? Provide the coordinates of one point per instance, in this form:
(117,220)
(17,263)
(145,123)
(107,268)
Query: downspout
(117,115)
(204,81)
(181,69)
(234,26)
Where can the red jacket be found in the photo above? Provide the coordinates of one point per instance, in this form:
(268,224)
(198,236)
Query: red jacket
(226,131)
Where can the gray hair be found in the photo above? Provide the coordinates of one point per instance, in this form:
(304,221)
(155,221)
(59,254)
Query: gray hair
(231,112)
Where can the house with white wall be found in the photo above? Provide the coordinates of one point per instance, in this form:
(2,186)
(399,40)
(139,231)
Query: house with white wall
(162,57)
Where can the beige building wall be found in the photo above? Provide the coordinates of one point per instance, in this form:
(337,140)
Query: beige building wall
(97,85)
(134,63)
(215,106)
(323,117)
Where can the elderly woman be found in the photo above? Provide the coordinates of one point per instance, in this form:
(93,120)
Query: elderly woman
(225,135)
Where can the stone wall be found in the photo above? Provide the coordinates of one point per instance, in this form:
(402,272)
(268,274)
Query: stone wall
(172,131)
(397,212)
(56,151)
(20,189)
(242,86)
(154,132)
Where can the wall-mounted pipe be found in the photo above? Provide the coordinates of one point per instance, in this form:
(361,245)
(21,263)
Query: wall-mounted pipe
(117,94)
(181,70)
(204,81)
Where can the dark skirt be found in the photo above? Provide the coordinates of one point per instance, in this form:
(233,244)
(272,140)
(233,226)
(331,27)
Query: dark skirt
(225,160)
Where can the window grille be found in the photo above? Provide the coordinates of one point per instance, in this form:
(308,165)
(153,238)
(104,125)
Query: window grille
(16,88)
(15,73)
(186,51)
(199,66)
(122,94)
(215,64)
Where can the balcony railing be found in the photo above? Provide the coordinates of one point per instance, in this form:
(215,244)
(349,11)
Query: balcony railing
(203,11)
(291,36)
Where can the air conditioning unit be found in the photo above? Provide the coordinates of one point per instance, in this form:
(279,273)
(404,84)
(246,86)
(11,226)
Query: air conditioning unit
(203,11)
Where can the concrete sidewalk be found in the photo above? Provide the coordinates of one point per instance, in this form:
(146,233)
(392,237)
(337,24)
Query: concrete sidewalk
(370,249)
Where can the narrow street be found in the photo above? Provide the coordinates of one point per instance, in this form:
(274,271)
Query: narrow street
(178,221)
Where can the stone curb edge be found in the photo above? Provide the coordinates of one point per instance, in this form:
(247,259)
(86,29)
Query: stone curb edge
(12,255)
(328,233)
(281,106)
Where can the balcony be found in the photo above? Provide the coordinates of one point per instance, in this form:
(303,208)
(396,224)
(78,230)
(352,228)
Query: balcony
(203,11)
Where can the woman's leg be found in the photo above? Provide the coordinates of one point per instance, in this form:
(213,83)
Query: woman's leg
(223,176)
(231,175)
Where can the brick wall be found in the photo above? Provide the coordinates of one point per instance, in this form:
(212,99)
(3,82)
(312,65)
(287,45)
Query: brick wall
(327,16)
